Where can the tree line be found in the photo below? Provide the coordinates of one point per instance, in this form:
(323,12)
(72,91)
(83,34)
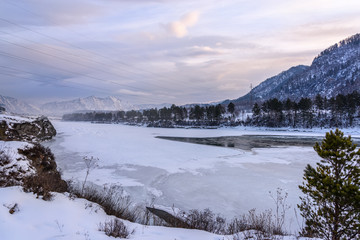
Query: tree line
(210,115)
(339,111)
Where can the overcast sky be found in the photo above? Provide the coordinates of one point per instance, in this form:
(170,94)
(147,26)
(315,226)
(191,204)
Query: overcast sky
(161,51)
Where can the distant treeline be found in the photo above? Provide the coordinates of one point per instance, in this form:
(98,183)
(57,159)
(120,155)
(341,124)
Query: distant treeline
(212,115)
(339,111)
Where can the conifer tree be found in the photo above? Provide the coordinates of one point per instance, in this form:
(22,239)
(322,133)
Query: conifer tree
(256,110)
(231,108)
(331,205)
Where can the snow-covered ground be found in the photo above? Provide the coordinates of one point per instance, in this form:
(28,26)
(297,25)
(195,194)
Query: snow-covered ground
(78,219)
(188,176)
(18,164)
(75,219)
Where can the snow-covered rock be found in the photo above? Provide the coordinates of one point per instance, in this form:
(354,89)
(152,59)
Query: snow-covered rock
(15,128)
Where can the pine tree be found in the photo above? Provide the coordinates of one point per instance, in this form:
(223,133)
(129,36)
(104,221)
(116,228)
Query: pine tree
(256,110)
(331,206)
(231,108)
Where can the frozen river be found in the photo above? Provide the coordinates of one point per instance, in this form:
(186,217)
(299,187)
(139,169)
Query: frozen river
(228,180)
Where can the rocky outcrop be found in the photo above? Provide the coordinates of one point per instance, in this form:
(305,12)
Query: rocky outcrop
(38,130)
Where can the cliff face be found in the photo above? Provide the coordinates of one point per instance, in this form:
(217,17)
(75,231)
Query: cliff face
(15,129)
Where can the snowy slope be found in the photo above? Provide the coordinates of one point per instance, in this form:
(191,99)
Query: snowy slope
(85,104)
(78,219)
(16,106)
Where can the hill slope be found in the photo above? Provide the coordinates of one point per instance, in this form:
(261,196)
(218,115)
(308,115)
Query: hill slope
(17,106)
(335,70)
(85,104)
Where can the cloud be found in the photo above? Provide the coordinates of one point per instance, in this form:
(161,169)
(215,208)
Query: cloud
(203,50)
(190,19)
(194,52)
(179,28)
(131,92)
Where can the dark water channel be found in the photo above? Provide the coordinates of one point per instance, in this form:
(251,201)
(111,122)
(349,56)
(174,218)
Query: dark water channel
(247,142)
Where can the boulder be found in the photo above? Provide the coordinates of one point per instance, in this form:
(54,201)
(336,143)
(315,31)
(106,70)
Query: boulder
(35,131)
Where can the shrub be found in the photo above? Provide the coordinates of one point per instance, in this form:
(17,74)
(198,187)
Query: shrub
(206,220)
(114,228)
(41,157)
(47,178)
(112,199)
(43,183)
(237,224)
(261,222)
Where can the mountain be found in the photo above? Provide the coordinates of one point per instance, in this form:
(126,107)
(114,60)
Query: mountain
(335,70)
(14,105)
(85,104)
(149,106)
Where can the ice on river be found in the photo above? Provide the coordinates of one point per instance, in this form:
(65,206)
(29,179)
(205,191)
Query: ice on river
(189,176)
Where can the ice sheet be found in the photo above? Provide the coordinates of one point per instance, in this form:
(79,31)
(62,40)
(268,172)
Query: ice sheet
(190,176)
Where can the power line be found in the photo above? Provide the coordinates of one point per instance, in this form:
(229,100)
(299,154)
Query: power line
(75,73)
(72,54)
(44,76)
(46,82)
(83,49)
(79,34)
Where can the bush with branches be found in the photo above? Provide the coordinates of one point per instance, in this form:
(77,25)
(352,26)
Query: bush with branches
(114,228)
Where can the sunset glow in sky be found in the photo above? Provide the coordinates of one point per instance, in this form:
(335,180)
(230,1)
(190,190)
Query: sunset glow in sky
(157,51)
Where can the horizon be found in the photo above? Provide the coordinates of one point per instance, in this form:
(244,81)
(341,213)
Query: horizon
(155,52)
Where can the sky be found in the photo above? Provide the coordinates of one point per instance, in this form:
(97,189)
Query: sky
(161,51)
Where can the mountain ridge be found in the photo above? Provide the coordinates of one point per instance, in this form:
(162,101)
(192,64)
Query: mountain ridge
(17,106)
(336,70)
(91,103)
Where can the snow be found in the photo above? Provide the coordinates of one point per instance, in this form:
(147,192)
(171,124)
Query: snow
(188,176)
(91,103)
(9,118)
(179,176)
(18,162)
(76,219)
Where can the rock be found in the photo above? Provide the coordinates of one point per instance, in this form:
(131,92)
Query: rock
(167,217)
(38,130)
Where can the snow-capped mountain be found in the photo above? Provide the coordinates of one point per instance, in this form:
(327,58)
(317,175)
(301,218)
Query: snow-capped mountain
(85,104)
(149,106)
(334,71)
(14,105)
